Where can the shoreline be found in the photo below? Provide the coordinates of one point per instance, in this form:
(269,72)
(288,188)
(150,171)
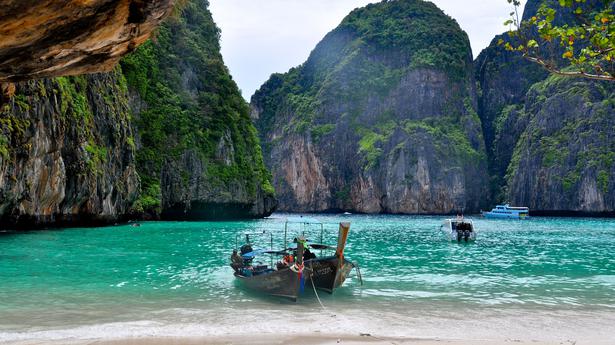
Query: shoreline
(89,223)
(314,338)
(368,327)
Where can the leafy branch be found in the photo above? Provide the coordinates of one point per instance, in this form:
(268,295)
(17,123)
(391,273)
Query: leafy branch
(586,45)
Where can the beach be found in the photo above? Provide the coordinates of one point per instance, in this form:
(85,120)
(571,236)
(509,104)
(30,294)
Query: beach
(489,327)
(308,339)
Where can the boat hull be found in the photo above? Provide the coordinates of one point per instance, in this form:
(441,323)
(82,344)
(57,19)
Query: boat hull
(452,236)
(327,275)
(504,216)
(282,283)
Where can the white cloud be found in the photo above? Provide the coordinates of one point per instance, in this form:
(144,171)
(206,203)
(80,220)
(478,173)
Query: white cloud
(260,37)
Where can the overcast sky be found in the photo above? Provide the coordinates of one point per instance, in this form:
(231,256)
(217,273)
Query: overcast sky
(261,37)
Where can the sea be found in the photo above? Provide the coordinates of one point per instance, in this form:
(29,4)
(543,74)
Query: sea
(542,279)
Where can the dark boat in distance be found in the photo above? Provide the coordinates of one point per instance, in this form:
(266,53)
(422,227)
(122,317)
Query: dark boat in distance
(298,266)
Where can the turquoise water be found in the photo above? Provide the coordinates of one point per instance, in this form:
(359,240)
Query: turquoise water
(174,273)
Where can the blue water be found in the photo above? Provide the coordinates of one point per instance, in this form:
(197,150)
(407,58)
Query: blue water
(176,272)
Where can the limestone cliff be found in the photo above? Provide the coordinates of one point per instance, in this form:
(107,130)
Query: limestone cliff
(65,152)
(380,119)
(49,38)
(197,149)
(564,160)
(504,79)
(166,133)
(548,137)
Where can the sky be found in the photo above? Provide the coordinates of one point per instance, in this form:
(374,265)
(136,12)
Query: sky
(261,37)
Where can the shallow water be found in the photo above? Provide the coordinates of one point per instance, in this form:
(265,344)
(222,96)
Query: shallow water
(167,277)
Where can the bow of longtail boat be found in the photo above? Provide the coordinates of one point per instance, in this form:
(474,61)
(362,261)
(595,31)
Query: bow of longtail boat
(330,272)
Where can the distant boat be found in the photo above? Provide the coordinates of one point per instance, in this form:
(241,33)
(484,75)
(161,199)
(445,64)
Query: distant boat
(298,267)
(347,213)
(507,212)
(459,229)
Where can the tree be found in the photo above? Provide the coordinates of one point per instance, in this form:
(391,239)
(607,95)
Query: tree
(586,45)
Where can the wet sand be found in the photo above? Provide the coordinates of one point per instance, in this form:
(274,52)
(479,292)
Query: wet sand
(464,327)
(313,339)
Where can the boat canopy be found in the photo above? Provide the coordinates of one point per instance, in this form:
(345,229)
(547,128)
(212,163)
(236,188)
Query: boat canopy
(304,224)
(303,220)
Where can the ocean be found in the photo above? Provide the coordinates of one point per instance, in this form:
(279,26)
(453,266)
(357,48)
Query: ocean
(543,278)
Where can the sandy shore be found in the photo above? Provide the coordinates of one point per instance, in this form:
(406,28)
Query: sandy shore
(308,339)
(487,326)
(314,339)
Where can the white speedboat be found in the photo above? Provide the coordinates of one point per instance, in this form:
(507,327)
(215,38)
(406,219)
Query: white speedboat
(459,229)
(507,212)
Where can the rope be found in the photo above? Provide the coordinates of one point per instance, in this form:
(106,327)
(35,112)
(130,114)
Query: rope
(317,297)
(359,275)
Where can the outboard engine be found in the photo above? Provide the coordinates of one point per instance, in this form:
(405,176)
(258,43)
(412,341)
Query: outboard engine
(466,235)
(459,235)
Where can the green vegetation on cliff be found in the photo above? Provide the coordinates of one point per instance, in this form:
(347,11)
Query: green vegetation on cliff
(568,142)
(365,58)
(63,153)
(385,102)
(414,30)
(191,103)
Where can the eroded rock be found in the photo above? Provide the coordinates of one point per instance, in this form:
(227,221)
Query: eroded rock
(48,38)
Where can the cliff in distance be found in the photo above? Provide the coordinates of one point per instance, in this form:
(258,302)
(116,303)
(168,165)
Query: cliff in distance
(549,138)
(381,118)
(384,118)
(165,134)
(197,150)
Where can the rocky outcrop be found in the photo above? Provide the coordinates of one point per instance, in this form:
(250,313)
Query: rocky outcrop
(197,149)
(564,162)
(188,193)
(49,38)
(377,120)
(65,153)
(548,137)
(165,134)
(504,79)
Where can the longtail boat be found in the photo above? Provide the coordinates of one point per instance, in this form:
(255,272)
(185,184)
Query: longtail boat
(286,282)
(298,267)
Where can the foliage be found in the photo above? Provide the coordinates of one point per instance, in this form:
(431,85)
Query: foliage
(415,30)
(448,136)
(97,155)
(322,130)
(149,200)
(192,104)
(362,61)
(576,145)
(603,181)
(4,147)
(587,43)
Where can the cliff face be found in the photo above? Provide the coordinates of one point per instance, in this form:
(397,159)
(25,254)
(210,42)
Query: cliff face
(504,79)
(48,38)
(381,117)
(565,158)
(548,138)
(197,149)
(65,153)
(166,133)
